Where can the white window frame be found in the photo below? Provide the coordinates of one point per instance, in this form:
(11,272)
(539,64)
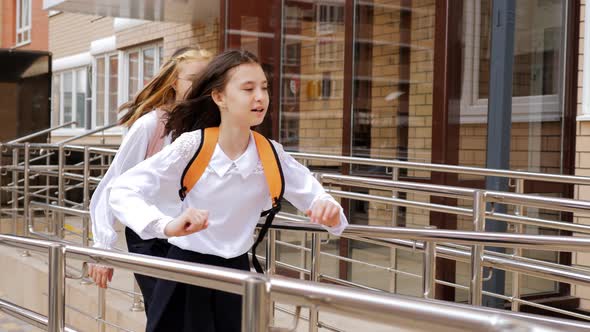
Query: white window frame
(125,65)
(20,28)
(474,109)
(105,57)
(80,128)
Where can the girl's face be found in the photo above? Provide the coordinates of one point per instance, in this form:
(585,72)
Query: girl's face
(187,72)
(244,100)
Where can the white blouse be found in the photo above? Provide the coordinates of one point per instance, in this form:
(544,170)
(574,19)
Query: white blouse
(234,192)
(131,152)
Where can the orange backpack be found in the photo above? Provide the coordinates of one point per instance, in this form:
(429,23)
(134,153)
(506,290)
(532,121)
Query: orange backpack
(272,172)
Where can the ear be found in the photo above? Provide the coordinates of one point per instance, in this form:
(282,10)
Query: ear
(218,98)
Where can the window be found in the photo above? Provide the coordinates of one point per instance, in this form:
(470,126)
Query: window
(23,22)
(69,97)
(141,64)
(106,85)
(537,63)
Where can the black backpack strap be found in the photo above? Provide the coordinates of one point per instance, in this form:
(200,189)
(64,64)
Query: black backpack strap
(269,218)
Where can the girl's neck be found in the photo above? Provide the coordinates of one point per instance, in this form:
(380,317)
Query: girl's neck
(233,140)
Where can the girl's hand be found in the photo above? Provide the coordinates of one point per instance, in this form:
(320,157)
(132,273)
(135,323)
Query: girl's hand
(189,222)
(100,274)
(324,212)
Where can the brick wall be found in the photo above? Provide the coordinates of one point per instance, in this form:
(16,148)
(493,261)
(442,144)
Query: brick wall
(71,34)
(582,164)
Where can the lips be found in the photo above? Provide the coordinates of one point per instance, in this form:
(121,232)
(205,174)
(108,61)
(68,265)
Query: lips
(258,110)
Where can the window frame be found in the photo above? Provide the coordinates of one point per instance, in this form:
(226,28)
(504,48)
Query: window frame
(106,57)
(21,29)
(475,109)
(79,127)
(157,47)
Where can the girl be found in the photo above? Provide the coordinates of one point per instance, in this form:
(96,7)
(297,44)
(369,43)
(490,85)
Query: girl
(215,221)
(145,117)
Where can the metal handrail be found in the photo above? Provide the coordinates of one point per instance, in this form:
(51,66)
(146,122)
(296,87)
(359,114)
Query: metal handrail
(566,204)
(258,291)
(41,132)
(444,168)
(88,133)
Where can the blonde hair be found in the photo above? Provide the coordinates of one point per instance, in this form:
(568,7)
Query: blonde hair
(159,92)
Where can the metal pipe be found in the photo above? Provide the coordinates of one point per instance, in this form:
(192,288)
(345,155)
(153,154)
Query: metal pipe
(255,302)
(87,133)
(566,226)
(26,195)
(428,270)
(102,309)
(41,132)
(137,305)
(385,308)
(15,193)
(475,285)
(565,204)
(59,229)
(314,277)
(394,223)
(515,305)
(86,198)
(57,283)
(28,316)
(270,264)
(445,168)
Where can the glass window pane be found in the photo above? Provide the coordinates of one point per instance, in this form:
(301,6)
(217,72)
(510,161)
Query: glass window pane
(161,55)
(100,93)
(313,66)
(25,13)
(81,98)
(113,88)
(68,89)
(133,79)
(149,63)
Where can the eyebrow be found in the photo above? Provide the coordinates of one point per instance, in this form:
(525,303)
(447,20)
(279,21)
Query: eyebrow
(252,82)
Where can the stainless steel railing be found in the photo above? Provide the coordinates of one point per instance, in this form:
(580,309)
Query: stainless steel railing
(258,291)
(79,177)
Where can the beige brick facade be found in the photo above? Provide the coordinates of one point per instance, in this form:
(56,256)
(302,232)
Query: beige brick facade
(582,164)
(71,34)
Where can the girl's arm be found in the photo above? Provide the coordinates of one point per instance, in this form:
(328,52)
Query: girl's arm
(304,191)
(145,198)
(131,152)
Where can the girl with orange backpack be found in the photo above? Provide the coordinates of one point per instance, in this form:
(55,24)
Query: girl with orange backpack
(206,190)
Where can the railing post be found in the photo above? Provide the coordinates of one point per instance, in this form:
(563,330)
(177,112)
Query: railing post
(519,211)
(26,216)
(59,229)
(315,277)
(429,268)
(271,250)
(102,309)
(137,305)
(479,215)
(14,191)
(255,304)
(394,223)
(86,197)
(57,282)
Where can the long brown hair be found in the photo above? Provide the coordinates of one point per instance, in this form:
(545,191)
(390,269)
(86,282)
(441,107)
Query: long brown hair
(159,91)
(198,110)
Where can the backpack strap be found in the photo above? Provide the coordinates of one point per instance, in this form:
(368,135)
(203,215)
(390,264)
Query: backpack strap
(276,185)
(272,172)
(199,162)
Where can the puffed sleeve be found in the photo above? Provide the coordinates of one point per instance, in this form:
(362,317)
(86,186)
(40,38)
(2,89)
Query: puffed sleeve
(131,152)
(145,198)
